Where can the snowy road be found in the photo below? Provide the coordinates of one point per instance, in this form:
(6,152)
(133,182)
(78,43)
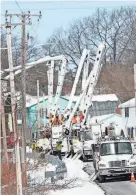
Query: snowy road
(115,186)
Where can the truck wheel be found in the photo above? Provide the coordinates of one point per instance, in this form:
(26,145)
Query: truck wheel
(102,178)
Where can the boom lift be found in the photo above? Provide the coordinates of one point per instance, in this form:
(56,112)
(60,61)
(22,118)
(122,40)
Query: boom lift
(87,94)
(91,83)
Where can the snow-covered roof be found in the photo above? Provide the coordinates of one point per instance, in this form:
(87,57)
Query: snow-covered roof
(32,100)
(110,118)
(129,103)
(102,118)
(98,98)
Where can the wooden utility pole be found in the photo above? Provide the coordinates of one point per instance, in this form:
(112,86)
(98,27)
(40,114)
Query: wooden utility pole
(23,77)
(38,105)
(4,130)
(135,85)
(13,102)
(24,17)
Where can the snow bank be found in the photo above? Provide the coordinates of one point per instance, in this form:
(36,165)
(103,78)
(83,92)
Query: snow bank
(37,176)
(87,188)
(80,180)
(75,169)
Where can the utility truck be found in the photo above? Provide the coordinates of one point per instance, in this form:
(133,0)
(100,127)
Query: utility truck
(113,156)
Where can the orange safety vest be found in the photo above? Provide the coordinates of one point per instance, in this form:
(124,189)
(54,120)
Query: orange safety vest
(56,122)
(74,120)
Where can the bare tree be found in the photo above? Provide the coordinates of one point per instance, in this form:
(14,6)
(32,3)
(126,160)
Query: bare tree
(116,28)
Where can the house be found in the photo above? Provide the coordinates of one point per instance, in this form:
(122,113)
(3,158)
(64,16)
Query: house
(101,104)
(32,113)
(128,113)
(104,121)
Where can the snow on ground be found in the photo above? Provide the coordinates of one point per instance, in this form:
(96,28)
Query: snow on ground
(75,170)
(87,188)
(80,180)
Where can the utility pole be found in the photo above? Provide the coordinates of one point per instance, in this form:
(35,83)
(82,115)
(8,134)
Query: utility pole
(135,85)
(13,102)
(24,17)
(38,105)
(4,130)
(23,77)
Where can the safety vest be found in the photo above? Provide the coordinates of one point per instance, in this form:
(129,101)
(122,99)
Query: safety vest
(74,120)
(58,147)
(56,122)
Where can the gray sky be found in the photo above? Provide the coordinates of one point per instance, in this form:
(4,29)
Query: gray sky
(56,14)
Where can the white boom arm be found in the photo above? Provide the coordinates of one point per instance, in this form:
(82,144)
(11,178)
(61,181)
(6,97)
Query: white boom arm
(50,74)
(93,77)
(84,79)
(37,62)
(61,76)
(82,60)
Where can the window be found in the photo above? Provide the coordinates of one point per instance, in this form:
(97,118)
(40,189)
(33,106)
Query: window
(115,148)
(127,112)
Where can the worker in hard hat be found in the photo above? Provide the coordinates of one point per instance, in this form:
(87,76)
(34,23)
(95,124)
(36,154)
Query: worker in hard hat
(81,116)
(58,149)
(51,118)
(57,121)
(61,118)
(74,120)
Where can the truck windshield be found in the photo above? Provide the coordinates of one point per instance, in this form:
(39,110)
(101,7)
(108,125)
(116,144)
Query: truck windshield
(86,135)
(115,148)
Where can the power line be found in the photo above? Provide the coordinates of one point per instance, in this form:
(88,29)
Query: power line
(18,6)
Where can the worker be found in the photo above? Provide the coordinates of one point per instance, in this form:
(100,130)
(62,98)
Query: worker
(61,117)
(58,149)
(81,116)
(71,149)
(74,120)
(51,118)
(57,121)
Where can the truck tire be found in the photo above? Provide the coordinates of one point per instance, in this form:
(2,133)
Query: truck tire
(102,178)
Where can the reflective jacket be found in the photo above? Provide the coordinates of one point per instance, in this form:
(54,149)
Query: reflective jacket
(59,147)
(74,120)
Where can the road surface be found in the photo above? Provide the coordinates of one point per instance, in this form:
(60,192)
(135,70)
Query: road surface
(116,186)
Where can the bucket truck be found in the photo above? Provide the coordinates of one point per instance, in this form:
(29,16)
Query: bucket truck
(113,156)
(87,93)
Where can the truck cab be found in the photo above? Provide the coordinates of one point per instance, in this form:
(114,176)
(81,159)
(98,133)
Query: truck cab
(114,157)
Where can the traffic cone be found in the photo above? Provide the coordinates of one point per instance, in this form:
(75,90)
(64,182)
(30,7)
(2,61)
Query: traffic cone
(132,177)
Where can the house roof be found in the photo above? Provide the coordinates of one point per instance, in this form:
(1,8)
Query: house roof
(129,103)
(103,118)
(32,100)
(97,98)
